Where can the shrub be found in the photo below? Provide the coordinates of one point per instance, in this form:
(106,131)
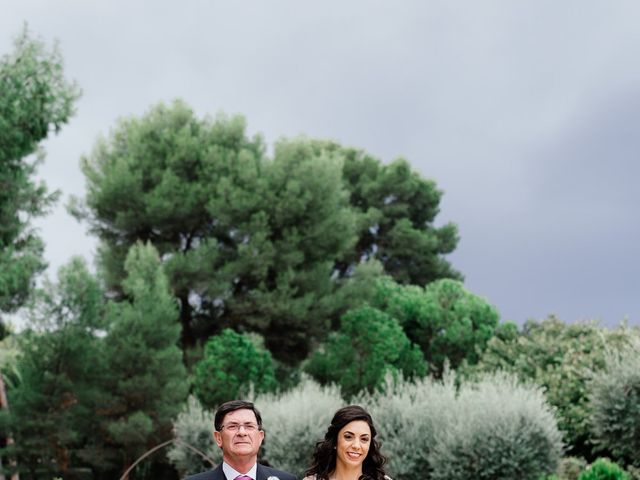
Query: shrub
(615,398)
(408,414)
(497,429)
(369,345)
(571,467)
(603,469)
(449,323)
(294,421)
(232,364)
(194,427)
(491,429)
(561,358)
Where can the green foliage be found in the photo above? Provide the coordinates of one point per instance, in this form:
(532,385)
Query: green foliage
(604,469)
(231,366)
(252,241)
(491,429)
(146,381)
(368,345)
(396,209)
(36,99)
(448,322)
(561,358)
(256,243)
(409,414)
(53,403)
(193,427)
(495,428)
(615,398)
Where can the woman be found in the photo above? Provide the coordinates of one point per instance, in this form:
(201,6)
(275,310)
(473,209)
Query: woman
(349,450)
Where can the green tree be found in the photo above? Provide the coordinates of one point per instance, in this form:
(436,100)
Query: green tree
(447,321)
(397,210)
(369,345)
(562,358)
(146,384)
(248,242)
(52,405)
(232,364)
(36,100)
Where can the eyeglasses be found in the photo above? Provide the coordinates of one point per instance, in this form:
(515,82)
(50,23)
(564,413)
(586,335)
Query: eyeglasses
(235,427)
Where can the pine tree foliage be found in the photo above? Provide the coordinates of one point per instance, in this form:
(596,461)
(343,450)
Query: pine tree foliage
(52,405)
(251,241)
(35,100)
(146,382)
(397,208)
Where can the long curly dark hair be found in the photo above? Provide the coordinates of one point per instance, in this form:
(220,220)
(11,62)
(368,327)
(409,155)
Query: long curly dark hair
(324,456)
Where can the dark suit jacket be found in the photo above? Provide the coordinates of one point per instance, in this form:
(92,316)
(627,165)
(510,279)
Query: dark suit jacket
(262,473)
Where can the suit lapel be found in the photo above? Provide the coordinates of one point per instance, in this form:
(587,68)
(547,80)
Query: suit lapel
(260,472)
(218,473)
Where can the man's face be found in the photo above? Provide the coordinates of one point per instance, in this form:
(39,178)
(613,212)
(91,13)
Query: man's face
(239,437)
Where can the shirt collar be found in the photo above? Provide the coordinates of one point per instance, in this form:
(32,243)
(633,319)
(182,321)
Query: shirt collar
(231,473)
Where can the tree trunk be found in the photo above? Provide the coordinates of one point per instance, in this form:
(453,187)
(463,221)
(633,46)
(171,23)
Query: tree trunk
(186,311)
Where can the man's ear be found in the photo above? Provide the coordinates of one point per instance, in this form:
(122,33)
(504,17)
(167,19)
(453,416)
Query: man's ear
(217,437)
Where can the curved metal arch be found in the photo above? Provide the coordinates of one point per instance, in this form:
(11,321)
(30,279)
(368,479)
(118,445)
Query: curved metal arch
(162,445)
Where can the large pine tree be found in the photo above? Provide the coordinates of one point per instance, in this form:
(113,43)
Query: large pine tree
(251,241)
(146,380)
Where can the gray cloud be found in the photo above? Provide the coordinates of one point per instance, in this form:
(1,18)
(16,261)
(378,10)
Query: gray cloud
(525,114)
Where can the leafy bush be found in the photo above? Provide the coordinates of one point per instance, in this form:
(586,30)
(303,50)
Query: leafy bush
(368,345)
(232,364)
(409,413)
(496,429)
(449,323)
(297,418)
(603,469)
(491,429)
(571,467)
(561,358)
(615,398)
(194,427)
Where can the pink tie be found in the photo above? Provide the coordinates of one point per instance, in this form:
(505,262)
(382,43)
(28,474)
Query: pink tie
(243,477)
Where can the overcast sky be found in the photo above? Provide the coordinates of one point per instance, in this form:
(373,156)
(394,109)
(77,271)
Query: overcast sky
(525,113)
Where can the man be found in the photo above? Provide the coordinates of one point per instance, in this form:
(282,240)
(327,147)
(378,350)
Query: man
(238,432)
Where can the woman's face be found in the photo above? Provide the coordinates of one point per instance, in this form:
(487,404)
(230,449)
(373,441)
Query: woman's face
(354,440)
